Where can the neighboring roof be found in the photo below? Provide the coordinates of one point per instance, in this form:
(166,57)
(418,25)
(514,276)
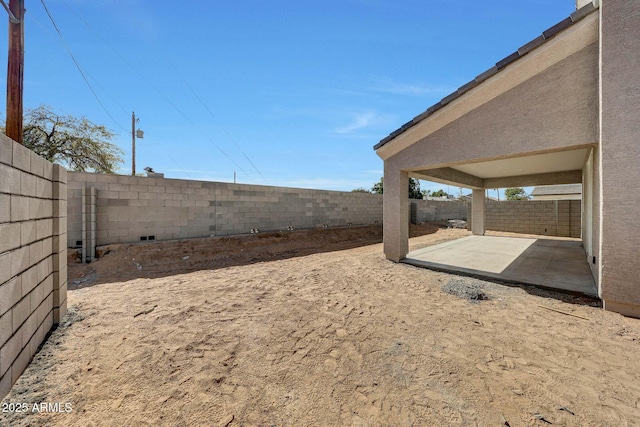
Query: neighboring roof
(470,196)
(522,51)
(557,189)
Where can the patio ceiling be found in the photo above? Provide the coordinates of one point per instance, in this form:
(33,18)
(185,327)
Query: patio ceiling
(560,167)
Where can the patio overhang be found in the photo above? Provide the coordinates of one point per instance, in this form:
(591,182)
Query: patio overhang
(530,120)
(529,64)
(572,88)
(563,167)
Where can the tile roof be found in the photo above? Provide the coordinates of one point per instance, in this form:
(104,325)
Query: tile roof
(522,51)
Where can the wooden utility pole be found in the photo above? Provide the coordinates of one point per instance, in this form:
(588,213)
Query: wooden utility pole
(133,144)
(15,71)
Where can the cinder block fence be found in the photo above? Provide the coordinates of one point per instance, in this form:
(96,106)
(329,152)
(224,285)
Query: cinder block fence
(560,218)
(105,209)
(435,210)
(33,255)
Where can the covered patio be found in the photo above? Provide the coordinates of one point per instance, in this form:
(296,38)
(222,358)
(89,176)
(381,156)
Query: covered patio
(562,109)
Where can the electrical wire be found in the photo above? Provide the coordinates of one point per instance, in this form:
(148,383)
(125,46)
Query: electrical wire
(116,102)
(73,58)
(214,118)
(159,92)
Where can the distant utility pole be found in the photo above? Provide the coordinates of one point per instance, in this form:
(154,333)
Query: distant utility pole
(134,133)
(15,70)
(133,143)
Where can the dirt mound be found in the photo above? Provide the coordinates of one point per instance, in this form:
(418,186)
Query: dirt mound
(466,288)
(148,260)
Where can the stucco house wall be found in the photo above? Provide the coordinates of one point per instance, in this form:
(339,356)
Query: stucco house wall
(620,155)
(554,110)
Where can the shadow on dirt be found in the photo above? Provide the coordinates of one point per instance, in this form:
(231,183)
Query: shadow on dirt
(122,262)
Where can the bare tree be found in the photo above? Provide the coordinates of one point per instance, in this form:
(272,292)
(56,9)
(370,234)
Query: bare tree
(76,143)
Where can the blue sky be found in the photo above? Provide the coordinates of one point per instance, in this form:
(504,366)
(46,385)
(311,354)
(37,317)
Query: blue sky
(286,93)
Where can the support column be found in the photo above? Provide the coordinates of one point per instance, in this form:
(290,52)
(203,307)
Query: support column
(478,212)
(619,155)
(395,213)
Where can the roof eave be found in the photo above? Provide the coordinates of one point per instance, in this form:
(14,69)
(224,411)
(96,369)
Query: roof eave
(546,35)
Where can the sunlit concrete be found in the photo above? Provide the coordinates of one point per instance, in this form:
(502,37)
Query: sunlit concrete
(546,263)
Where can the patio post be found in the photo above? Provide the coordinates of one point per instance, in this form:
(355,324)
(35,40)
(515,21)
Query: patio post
(395,201)
(478,212)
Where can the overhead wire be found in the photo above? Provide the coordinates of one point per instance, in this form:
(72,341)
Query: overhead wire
(82,73)
(33,17)
(94,93)
(115,101)
(214,118)
(180,168)
(95,80)
(154,87)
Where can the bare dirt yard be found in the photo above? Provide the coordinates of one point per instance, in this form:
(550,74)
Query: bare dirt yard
(316,328)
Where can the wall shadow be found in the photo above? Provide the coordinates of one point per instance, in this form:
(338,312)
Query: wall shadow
(123,262)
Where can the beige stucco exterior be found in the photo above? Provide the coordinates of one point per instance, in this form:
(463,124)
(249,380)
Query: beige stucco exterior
(564,112)
(619,199)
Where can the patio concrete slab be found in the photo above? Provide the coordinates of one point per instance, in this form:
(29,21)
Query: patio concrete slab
(546,263)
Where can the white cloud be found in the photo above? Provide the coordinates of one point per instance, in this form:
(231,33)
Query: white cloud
(368,124)
(359,121)
(388,85)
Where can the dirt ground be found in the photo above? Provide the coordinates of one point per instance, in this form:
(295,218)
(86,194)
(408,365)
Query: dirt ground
(316,328)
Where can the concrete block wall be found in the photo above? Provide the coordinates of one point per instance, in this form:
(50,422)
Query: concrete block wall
(544,217)
(33,242)
(88,231)
(433,210)
(129,208)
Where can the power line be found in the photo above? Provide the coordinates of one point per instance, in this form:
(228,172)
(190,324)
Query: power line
(214,118)
(116,102)
(160,149)
(78,65)
(175,107)
(154,87)
(103,41)
(35,19)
